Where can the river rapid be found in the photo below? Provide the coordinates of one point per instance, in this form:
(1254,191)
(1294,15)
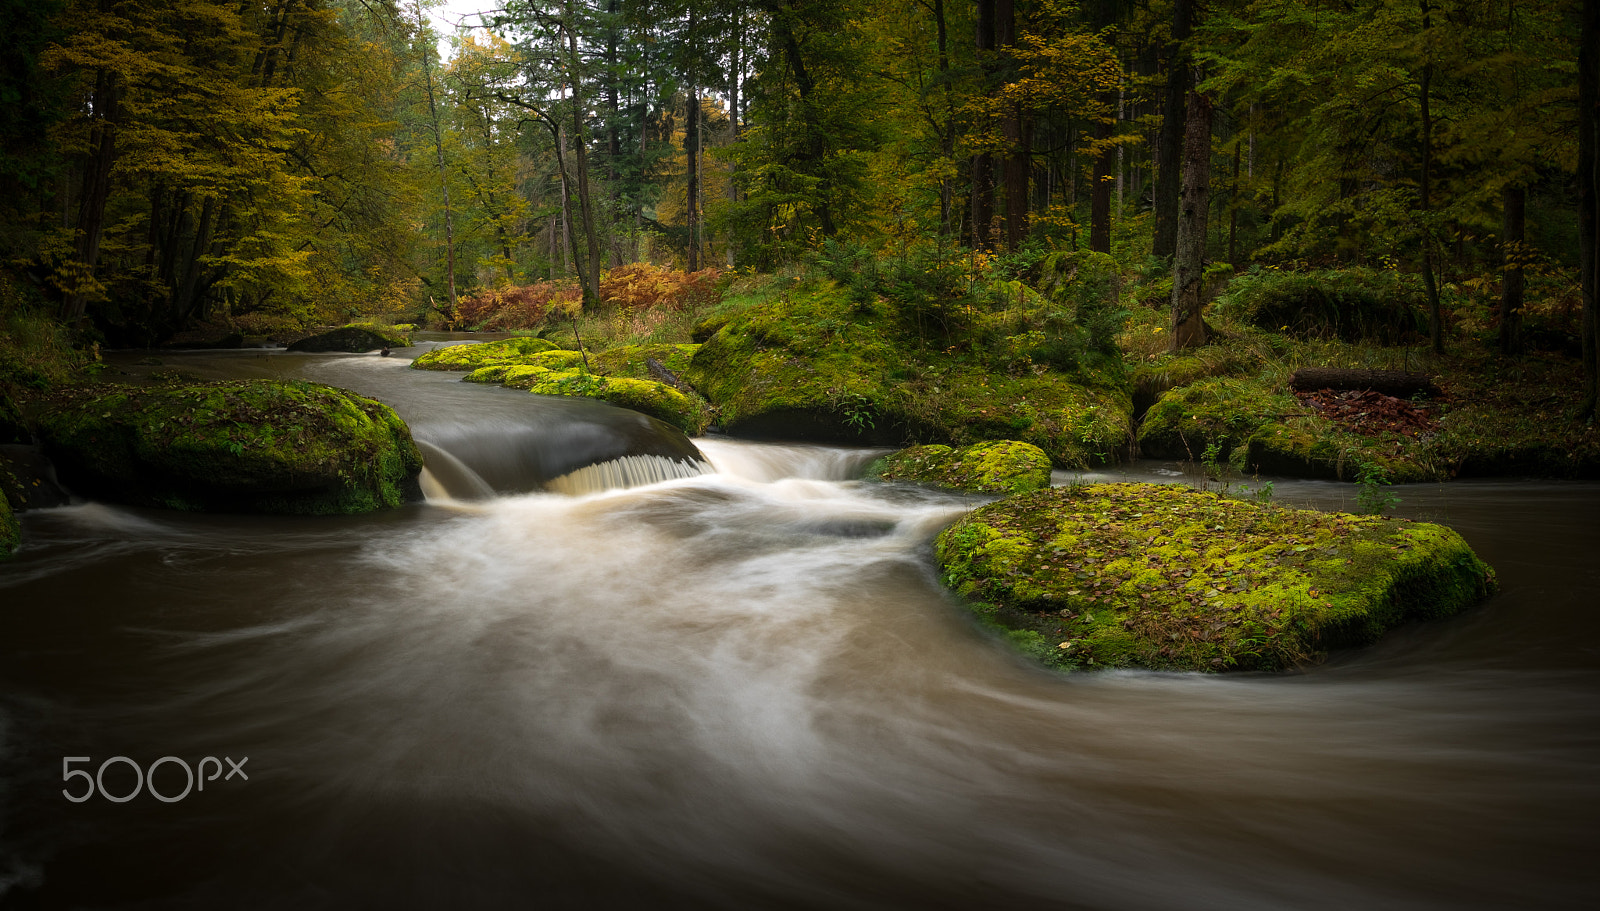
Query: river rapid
(746,689)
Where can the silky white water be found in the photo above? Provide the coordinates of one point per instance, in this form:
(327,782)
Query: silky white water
(747,689)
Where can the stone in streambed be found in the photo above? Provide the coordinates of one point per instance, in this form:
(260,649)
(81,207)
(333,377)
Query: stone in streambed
(257,446)
(1003,467)
(1159,576)
(352,339)
(473,355)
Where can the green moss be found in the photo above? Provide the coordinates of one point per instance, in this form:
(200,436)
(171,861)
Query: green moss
(249,446)
(482,354)
(1168,577)
(629,360)
(1004,467)
(1260,429)
(820,363)
(647,396)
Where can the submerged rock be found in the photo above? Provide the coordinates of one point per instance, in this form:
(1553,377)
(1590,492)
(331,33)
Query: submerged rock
(1003,467)
(819,364)
(1160,576)
(352,339)
(473,355)
(249,446)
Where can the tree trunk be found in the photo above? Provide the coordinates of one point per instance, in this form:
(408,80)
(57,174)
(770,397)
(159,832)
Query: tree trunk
(1172,136)
(1514,254)
(983,162)
(1430,282)
(1014,167)
(947,135)
(444,183)
(1589,198)
(691,149)
(1188,271)
(590,276)
(1100,190)
(96,192)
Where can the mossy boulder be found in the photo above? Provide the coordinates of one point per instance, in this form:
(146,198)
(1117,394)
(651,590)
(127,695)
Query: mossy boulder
(619,376)
(632,360)
(256,446)
(1164,576)
(473,355)
(820,363)
(1257,428)
(1350,304)
(646,396)
(1003,467)
(353,339)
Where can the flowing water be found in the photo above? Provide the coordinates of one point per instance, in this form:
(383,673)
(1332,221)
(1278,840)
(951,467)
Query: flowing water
(747,689)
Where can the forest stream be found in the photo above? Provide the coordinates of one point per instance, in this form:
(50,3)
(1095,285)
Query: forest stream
(745,688)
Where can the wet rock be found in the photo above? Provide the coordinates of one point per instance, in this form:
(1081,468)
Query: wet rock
(352,339)
(252,446)
(473,355)
(1164,576)
(1003,467)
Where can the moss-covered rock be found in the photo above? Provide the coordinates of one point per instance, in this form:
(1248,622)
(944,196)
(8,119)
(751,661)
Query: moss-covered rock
(1169,577)
(1257,428)
(1003,467)
(473,355)
(821,363)
(353,339)
(618,376)
(647,396)
(249,446)
(631,360)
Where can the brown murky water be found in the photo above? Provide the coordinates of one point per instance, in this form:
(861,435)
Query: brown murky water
(747,689)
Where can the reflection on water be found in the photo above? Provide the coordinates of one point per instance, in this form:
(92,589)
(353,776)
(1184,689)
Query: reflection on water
(747,689)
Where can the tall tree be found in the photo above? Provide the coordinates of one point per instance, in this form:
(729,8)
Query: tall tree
(1171,138)
(1188,328)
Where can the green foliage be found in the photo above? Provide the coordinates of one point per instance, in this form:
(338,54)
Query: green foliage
(1353,304)
(1372,489)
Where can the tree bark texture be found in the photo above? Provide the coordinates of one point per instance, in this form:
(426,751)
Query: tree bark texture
(1171,138)
(1514,252)
(983,162)
(1589,197)
(1430,282)
(1188,270)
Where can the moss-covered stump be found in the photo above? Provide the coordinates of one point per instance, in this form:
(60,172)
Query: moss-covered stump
(1003,467)
(352,340)
(473,355)
(820,364)
(1163,576)
(251,446)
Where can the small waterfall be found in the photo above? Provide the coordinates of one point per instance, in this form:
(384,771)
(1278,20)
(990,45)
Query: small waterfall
(627,471)
(445,477)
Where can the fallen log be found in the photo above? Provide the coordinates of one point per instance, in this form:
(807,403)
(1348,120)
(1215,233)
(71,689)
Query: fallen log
(1397,383)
